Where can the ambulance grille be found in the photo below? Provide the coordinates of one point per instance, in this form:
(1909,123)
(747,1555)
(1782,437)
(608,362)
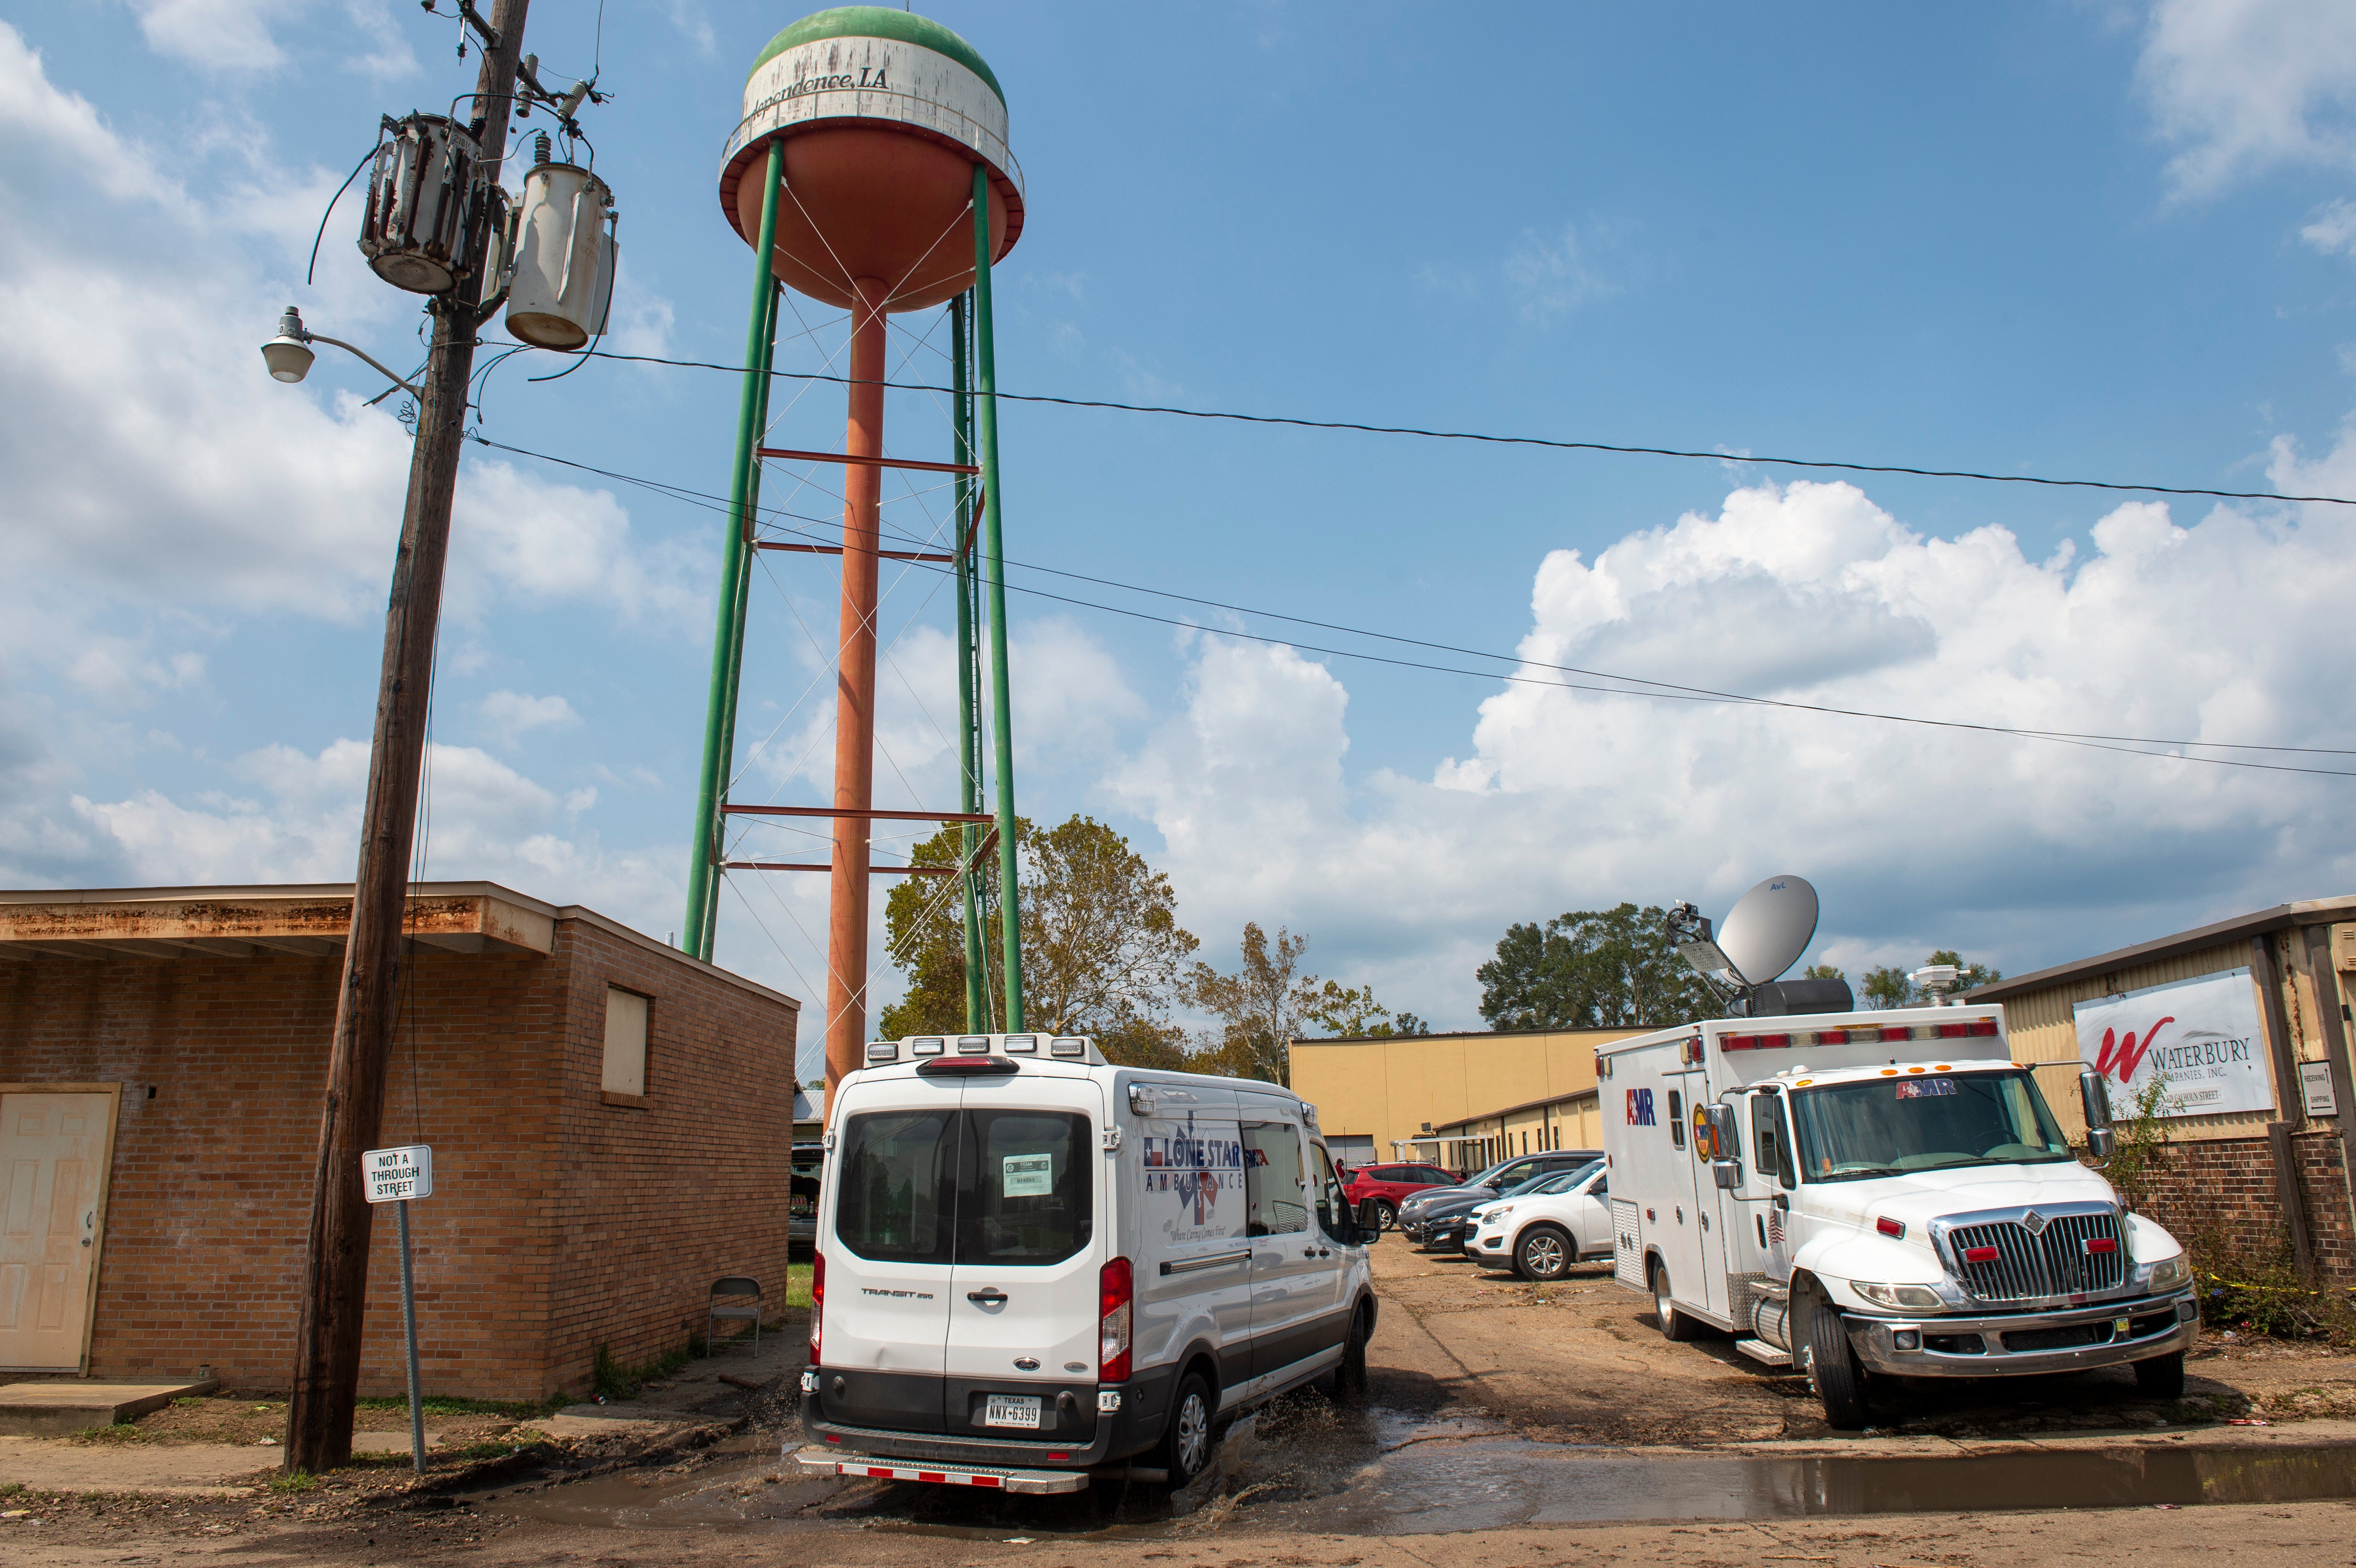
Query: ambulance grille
(2039,1256)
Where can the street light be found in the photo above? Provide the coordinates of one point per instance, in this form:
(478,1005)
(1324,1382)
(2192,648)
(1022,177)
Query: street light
(289,353)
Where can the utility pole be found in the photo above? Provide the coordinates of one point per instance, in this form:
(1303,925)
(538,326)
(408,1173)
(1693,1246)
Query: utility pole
(335,1267)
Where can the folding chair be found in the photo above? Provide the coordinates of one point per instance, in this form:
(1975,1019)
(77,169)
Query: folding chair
(734,1284)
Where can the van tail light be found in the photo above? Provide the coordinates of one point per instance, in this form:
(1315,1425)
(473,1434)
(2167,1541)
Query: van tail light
(1114,1285)
(2101,1243)
(1979,1255)
(817,1303)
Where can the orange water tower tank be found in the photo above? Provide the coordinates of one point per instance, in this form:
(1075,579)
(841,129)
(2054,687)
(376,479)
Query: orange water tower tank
(883,115)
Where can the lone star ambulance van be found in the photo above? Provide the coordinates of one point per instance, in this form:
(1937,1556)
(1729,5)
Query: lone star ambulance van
(1035,1267)
(1880,1192)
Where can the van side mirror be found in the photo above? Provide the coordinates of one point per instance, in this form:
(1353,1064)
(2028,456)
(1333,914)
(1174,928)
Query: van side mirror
(1727,1173)
(2095,1095)
(1370,1219)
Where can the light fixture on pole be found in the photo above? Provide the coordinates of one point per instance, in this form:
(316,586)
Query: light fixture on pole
(289,355)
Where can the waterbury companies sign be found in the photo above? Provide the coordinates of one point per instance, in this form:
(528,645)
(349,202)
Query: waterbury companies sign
(2200,1035)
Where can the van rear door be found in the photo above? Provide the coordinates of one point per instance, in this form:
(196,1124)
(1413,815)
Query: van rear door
(1035,1226)
(888,1248)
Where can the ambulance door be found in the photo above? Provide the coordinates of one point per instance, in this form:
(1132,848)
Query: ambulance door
(1673,1218)
(1713,1214)
(1294,1277)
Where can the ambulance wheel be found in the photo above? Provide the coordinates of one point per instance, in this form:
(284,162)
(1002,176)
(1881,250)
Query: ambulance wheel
(2162,1377)
(1674,1325)
(1187,1446)
(1832,1366)
(1543,1253)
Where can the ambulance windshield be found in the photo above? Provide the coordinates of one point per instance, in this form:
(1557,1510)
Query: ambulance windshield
(1890,1126)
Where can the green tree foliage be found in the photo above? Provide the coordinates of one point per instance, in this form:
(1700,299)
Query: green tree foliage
(1822,972)
(1891,987)
(1613,968)
(1261,1008)
(1103,953)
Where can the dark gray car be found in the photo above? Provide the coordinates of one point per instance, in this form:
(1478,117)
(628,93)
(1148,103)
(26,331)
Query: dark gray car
(1418,1214)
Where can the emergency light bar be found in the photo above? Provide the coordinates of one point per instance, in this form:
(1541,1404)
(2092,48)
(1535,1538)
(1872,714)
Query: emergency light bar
(1869,1034)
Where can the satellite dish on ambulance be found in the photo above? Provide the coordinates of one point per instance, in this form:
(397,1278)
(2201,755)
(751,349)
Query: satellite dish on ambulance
(1765,933)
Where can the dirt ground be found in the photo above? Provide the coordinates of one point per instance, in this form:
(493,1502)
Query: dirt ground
(1461,1357)
(1582,1362)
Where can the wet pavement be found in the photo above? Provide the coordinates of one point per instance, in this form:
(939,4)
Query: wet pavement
(1310,1468)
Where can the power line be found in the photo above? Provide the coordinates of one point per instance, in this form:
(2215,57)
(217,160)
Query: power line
(1659,690)
(1537,440)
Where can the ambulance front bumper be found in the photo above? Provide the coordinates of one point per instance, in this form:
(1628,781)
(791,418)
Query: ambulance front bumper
(2025,1343)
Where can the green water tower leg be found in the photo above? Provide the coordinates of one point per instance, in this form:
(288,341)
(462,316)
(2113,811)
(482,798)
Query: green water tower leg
(994,577)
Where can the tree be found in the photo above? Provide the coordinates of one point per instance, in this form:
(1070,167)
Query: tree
(1262,1008)
(1102,948)
(1822,972)
(1891,987)
(1613,968)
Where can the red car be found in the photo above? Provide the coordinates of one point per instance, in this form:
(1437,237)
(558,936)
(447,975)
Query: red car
(1387,1185)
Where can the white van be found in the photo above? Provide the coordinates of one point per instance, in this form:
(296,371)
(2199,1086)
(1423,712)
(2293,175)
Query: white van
(1033,1267)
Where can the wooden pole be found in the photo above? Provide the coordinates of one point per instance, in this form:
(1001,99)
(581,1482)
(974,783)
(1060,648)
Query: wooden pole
(335,1266)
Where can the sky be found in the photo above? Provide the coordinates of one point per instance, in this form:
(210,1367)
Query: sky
(2108,241)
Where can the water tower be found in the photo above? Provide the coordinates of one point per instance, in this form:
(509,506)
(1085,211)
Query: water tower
(870,172)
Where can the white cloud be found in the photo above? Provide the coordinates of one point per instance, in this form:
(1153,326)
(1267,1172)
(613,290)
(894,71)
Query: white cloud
(2332,229)
(2021,851)
(1552,276)
(508,715)
(2242,85)
(389,57)
(231,36)
(689,18)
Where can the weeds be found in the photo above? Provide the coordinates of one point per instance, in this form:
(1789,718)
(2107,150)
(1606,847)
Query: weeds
(611,1380)
(120,1432)
(294,1481)
(2257,1288)
(435,1405)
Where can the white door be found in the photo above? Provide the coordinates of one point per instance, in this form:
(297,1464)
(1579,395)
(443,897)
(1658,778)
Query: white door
(1034,1225)
(1675,1219)
(889,1243)
(1193,1266)
(1293,1273)
(54,1152)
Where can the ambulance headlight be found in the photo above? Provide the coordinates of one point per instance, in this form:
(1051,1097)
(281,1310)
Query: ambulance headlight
(2170,1273)
(1916,1298)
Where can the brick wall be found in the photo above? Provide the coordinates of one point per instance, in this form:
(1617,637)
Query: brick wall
(558,1223)
(2228,1184)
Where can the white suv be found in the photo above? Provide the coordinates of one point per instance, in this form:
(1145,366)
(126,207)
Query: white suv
(1541,1233)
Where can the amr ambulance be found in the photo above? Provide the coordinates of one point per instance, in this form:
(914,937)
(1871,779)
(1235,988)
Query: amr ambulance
(1034,1268)
(1880,1192)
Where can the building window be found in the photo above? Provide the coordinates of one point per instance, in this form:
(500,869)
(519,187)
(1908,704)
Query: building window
(625,1042)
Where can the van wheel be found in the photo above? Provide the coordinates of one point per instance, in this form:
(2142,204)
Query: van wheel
(2162,1377)
(1543,1253)
(1832,1366)
(1187,1446)
(1674,1325)
(1348,1384)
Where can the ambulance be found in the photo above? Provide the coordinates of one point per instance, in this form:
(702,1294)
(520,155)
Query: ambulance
(1036,1269)
(1873,1196)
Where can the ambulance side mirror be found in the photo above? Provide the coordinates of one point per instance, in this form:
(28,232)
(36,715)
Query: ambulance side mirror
(1727,1173)
(2094,1098)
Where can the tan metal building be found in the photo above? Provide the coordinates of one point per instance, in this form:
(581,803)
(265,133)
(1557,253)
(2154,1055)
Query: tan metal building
(1382,1097)
(2279,1169)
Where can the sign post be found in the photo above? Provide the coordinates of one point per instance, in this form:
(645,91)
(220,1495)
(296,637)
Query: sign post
(396,1176)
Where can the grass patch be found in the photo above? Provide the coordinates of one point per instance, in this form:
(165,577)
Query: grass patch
(294,1481)
(612,1379)
(189,1401)
(119,1431)
(797,1285)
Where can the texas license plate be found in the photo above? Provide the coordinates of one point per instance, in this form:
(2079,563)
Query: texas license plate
(1011,1410)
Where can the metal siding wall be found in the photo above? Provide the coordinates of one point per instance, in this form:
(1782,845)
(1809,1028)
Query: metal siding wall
(2043,1029)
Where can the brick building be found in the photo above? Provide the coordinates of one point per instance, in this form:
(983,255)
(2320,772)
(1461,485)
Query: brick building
(611,1122)
(2275,1169)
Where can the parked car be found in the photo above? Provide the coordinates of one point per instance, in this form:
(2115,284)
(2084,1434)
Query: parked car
(1541,1229)
(1389,1186)
(1443,1202)
(1447,1227)
(801,1199)
(1034,1265)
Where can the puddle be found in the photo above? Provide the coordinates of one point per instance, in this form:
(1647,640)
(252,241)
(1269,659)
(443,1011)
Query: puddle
(1311,1467)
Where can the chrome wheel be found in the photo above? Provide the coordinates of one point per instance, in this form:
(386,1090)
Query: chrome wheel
(1544,1256)
(1194,1444)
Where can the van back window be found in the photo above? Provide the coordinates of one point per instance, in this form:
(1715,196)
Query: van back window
(1006,1188)
(898,1202)
(1025,1198)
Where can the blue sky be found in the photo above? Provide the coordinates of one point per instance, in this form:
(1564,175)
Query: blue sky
(2071,239)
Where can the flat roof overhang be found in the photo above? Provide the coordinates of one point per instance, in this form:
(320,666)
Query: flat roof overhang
(309,921)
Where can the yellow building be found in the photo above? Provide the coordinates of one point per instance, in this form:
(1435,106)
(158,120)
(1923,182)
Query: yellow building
(1385,1097)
